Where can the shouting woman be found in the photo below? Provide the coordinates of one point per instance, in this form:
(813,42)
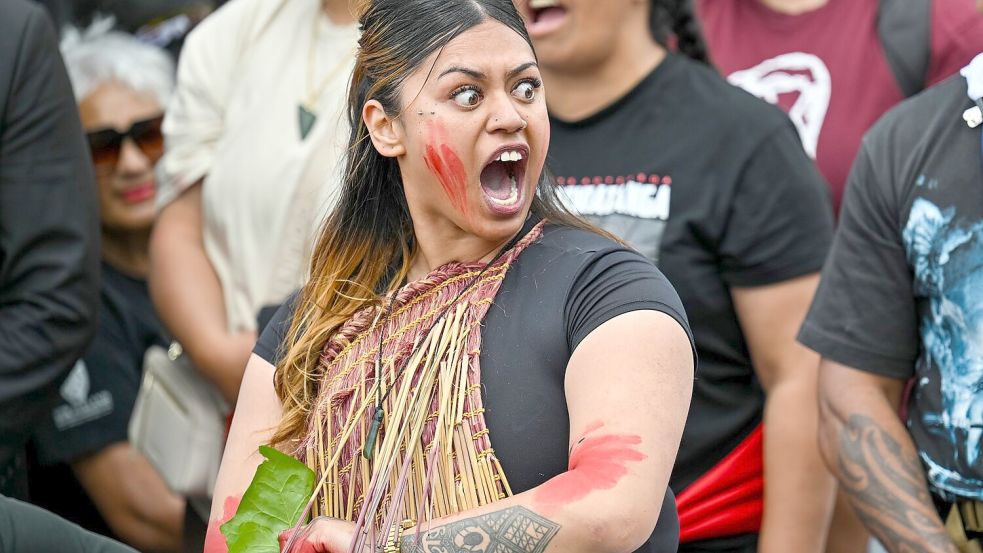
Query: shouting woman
(469,367)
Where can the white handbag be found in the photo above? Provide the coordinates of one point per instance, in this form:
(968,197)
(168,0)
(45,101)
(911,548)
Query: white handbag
(178,422)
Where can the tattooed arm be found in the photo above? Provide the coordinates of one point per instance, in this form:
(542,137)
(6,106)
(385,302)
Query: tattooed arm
(875,460)
(510,530)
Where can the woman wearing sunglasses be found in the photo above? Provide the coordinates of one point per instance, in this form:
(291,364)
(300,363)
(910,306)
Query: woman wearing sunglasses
(121,86)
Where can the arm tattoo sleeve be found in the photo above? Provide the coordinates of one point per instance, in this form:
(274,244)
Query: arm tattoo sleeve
(511,530)
(886,484)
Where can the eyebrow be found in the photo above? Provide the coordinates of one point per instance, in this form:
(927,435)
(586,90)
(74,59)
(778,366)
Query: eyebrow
(481,76)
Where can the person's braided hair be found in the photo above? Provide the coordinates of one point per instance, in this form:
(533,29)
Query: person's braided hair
(676,17)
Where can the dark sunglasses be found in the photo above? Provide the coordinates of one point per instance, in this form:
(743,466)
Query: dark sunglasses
(106,144)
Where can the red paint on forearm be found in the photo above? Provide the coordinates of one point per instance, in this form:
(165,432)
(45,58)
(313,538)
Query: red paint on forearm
(214,540)
(596,463)
(446,165)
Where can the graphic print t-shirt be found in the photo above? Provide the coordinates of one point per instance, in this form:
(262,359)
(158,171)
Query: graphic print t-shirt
(96,400)
(827,67)
(902,293)
(712,184)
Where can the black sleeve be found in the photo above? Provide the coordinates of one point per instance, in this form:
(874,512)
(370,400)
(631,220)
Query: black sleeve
(269,345)
(97,398)
(49,258)
(615,282)
(24,527)
(864,314)
(781,220)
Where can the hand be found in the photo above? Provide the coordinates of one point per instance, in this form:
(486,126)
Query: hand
(321,535)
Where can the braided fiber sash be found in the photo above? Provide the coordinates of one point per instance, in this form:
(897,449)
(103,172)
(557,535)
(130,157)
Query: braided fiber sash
(433,456)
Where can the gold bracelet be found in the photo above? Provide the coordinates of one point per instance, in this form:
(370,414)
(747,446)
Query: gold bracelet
(396,535)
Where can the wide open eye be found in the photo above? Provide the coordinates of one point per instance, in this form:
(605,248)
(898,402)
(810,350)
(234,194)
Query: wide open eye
(526,90)
(467,97)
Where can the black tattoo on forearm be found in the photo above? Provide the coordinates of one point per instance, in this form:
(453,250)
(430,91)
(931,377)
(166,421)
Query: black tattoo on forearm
(886,485)
(511,530)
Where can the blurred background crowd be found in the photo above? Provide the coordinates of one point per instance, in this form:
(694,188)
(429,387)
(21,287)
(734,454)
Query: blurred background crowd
(164,166)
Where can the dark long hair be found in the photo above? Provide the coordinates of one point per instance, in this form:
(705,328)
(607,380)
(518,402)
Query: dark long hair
(677,18)
(367,242)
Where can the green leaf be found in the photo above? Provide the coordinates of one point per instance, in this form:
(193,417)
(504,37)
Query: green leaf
(273,502)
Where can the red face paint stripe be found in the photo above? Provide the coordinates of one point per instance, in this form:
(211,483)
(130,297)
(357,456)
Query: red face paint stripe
(450,173)
(214,540)
(457,174)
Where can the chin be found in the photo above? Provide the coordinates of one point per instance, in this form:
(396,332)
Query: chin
(131,221)
(494,226)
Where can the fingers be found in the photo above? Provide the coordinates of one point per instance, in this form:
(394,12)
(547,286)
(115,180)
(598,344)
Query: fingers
(321,535)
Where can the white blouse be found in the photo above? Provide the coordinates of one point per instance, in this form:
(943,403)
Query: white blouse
(234,122)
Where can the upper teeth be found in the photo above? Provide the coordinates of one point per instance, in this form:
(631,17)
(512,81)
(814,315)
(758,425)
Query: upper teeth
(540,4)
(510,156)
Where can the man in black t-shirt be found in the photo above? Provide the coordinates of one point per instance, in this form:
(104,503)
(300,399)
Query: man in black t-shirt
(901,298)
(712,185)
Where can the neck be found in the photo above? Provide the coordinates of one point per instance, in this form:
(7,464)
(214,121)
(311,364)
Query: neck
(793,7)
(574,95)
(440,244)
(127,251)
(340,12)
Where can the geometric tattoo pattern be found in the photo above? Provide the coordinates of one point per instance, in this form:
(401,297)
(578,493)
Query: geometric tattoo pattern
(512,530)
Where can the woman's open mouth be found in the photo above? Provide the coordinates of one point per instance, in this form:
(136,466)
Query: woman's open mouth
(503,177)
(544,16)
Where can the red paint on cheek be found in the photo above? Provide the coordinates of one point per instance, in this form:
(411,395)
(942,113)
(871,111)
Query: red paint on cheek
(450,173)
(214,540)
(596,463)
(445,164)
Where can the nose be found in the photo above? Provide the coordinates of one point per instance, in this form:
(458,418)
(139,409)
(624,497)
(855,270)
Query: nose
(132,160)
(505,117)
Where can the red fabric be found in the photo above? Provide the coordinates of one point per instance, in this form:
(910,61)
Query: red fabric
(729,498)
(828,67)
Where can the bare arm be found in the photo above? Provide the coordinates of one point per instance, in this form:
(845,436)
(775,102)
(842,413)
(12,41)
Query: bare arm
(799,490)
(250,428)
(875,459)
(628,387)
(188,295)
(133,498)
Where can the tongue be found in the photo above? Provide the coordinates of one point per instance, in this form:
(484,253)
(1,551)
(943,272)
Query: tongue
(547,15)
(496,181)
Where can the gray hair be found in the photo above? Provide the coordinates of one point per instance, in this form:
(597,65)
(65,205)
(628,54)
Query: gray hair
(98,54)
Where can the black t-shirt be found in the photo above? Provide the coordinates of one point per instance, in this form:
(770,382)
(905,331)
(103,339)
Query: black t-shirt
(96,400)
(902,291)
(561,288)
(713,185)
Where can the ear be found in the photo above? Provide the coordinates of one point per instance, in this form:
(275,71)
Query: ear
(383,130)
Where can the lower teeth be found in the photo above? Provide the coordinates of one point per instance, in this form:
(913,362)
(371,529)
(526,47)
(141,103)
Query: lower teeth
(513,193)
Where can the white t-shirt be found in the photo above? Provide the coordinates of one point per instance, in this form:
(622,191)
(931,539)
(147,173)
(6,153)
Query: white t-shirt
(234,122)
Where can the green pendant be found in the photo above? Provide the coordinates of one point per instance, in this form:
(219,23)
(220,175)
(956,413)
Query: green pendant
(306,119)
